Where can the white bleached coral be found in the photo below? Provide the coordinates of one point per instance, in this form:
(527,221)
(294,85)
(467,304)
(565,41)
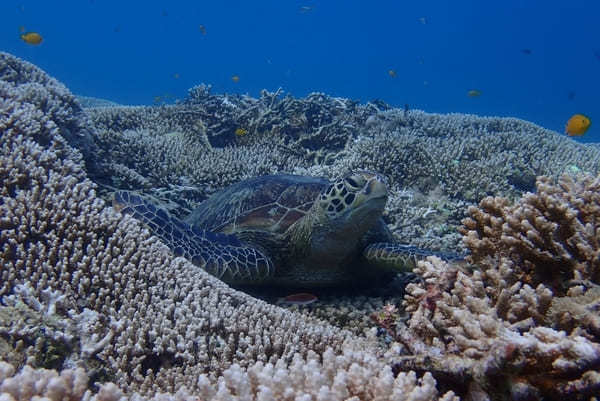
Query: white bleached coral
(152,322)
(30,384)
(159,324)
(23,83)
(350,376)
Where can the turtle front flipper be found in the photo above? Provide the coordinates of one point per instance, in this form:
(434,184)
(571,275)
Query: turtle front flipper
(400,257)
(221,255)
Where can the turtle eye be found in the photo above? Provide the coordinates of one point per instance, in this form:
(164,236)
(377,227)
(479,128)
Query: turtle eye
(350,181)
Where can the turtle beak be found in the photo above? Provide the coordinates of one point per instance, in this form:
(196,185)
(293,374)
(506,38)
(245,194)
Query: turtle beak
(376,187)
(374,194)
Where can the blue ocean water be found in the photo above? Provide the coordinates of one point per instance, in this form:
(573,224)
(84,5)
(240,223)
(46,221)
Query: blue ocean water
(532,59)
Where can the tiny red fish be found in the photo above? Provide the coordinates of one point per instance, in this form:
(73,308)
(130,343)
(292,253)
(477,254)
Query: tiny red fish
(302,298)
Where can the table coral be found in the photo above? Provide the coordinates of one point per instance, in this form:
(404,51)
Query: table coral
(180,154)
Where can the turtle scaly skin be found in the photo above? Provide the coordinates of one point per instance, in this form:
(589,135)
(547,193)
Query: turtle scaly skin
(222,255)
(286,230)
(388,255)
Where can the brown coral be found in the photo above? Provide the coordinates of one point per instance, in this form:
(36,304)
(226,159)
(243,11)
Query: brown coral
(553,235)
(524,324)
(486,335)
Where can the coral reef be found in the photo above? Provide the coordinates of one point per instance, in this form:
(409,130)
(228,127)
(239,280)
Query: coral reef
(94,307)
(24,82)
(330,377)
(552,234)
(467,157)
(524,324)
(437,165)
(93,290)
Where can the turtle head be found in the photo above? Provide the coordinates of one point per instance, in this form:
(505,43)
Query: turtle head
(347,209)
(356,196)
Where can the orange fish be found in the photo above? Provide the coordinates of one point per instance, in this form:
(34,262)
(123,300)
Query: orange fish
(303,298)
(33,38)
(577,125)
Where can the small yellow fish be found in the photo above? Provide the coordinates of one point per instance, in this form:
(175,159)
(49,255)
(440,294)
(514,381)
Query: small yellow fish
(235,78)
(241,132)
(176,76)
(577,125)
(474,93)
(202,29)
(32,38)
(392,73)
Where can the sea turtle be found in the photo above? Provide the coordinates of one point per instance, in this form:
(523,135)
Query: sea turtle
(286,230)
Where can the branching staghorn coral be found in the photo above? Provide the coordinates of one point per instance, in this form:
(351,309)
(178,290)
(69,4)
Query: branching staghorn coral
(317,121)
(524,324)
(553,235)
(345,377)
